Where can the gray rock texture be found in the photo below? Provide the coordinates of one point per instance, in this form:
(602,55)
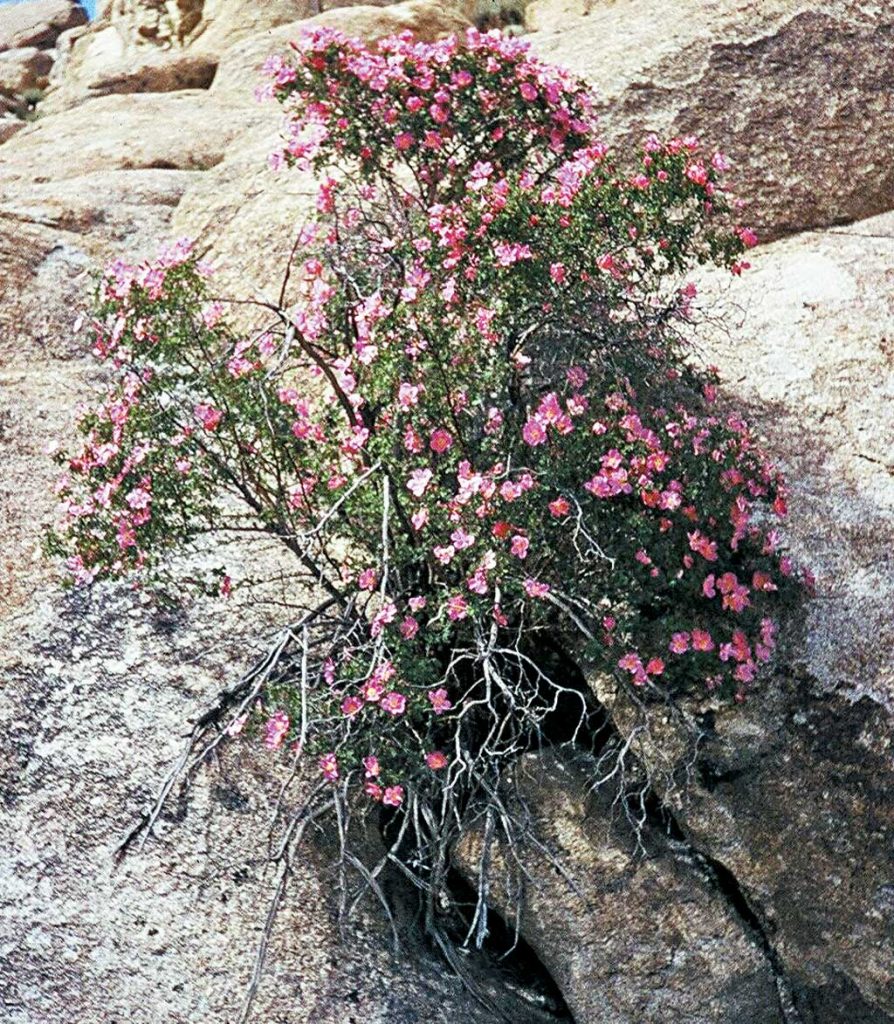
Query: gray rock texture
(775,892)
(796,93)
(23,68)
(791,792)
(790,797)
(29,33)
(630,928)
(804,340)
(95,700)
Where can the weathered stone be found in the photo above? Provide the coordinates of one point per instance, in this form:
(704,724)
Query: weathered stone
(808,136)
(211,25)
(9,126)
(653,938)
(806,343)
(553,15)
(156,71)
(239,73)
(242,208)
(169,131)
(63,49)
(121,206)
(791,795)
(37,22)
(24,68)
(224,22)
(140,45)
(791,791)
(426,19)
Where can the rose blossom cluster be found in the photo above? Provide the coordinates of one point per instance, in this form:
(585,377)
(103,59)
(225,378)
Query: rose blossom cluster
(478,418)
(436,106)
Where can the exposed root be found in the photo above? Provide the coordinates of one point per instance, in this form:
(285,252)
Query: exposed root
(241,696)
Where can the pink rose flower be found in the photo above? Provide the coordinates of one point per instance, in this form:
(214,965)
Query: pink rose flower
(351,705)
(394,703)
(367,579)
(440,702)
(462,540)
(559,507)
(534,433)
(457,608)
(419,481)
(701,640)
(393,796)
(705,547)
(329,767)
(208,416)
(679,643)
(372,690)
(440,441)
(276,730)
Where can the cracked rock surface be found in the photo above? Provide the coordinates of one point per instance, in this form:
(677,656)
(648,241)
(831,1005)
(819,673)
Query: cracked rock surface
(774,900)
(629,935)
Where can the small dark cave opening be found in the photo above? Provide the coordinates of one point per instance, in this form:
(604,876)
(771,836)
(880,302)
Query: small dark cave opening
(509,959)
(577,719)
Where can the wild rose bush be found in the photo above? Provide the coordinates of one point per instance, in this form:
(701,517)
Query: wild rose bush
(479,429)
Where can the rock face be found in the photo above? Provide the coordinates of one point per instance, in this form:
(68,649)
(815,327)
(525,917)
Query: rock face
(139,46)
(28,33)
(791,90)
(808,348)
(424,18)
(9,126)
(156,47)
(770,790)
(93,707)
(156,72)
(810,351)
(121,132)
(23,68)
(779,878)
(38,22)
(653,940)
(792,791)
